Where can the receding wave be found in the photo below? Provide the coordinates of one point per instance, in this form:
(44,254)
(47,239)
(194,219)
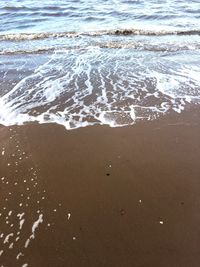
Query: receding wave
(124,32)
(89,86)
(106,45)
(28,51)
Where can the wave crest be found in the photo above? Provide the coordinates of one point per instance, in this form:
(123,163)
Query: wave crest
(124,32)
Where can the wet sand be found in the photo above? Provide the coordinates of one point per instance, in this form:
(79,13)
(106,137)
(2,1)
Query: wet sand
(101,196)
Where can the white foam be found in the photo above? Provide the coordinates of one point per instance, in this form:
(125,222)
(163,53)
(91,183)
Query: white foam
(89,86)
(20,254)
(36,224)
(21,223)
(34,228)
(132,113)
(10,213)
(27,243)
(11,245)
(6,240)
(20,215)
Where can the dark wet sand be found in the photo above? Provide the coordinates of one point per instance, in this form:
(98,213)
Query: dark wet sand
(133,194)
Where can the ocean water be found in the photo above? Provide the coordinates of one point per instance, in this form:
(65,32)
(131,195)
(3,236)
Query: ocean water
(87,62)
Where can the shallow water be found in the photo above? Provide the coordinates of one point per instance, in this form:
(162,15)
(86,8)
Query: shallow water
(80,63)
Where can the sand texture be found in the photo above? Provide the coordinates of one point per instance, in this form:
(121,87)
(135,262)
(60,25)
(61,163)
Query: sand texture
(100,196)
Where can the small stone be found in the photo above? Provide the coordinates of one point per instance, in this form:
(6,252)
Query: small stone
(122,212)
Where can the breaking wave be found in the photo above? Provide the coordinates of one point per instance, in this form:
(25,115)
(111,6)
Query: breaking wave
(163,47)
(123,32)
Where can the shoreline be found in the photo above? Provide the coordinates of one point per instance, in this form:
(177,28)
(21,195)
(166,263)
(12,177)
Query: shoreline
(100,196)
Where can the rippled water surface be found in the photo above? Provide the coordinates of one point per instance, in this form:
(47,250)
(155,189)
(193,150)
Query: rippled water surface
(86,15)
(80,63)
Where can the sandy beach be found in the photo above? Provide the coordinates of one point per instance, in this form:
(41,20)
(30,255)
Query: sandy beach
(101,196)
(99,133)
